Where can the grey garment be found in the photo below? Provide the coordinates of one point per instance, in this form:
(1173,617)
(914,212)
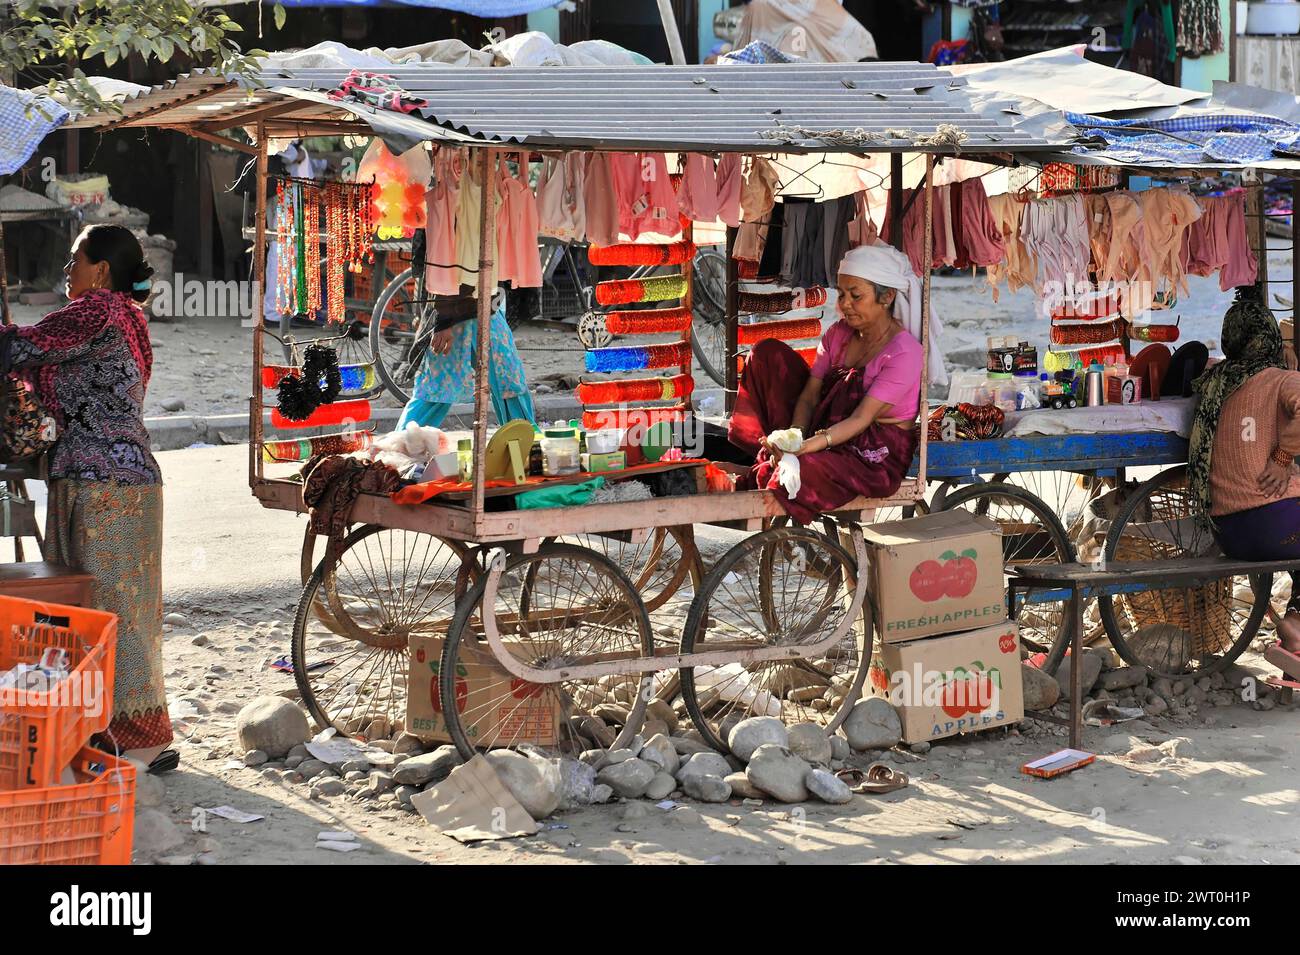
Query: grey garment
(837,214)
(803,257)
(814,239)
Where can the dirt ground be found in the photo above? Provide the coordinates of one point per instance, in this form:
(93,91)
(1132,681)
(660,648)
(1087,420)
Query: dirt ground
(1217,789)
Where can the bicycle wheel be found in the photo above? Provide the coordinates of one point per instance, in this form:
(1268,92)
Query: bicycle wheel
(785,587)
(400,329)
(559,608)
(1177,631)
(356,616)
(1031,534)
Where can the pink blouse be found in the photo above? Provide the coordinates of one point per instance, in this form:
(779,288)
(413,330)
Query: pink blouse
(893,376)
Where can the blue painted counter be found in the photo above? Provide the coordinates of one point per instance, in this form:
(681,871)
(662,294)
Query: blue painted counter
(1069,452)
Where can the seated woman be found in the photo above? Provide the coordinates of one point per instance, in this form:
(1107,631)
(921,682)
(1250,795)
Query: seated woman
(1245,437)
(860,397)
(89,363)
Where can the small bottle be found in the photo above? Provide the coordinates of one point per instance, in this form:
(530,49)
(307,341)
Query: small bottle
(536,460)
(465,457)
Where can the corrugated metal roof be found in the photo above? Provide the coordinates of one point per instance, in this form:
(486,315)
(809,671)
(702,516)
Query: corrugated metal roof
(661,108)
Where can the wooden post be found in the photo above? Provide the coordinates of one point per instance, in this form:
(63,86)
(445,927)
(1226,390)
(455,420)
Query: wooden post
(486,269)
(730,320)
(1255,221)
(927,262)
(4,280)
(671,32)
(259,316)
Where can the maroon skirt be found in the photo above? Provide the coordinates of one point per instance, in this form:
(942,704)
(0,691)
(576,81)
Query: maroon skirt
(871,465)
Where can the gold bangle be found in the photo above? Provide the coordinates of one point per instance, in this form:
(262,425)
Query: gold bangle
(1284,458)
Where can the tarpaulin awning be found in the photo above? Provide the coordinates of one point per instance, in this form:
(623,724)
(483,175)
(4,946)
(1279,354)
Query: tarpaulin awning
(25,119)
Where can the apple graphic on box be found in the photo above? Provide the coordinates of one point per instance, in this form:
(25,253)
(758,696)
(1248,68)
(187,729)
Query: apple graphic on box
(960,572)
(927,580)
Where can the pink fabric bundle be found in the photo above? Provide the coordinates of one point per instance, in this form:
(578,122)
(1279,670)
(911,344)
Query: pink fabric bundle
(698,199)
(1217,240)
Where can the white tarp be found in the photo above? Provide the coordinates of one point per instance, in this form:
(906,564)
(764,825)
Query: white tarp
(1065,80)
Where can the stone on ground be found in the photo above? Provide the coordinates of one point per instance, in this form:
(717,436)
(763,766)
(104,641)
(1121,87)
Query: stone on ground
(272,724)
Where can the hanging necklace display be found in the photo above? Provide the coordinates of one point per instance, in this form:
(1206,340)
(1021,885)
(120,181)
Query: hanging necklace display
(311,228)
(336,252)
(299,252)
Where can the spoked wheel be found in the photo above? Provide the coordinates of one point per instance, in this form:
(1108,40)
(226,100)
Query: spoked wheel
(357,613)
(664,567)
(1177,631)
(1069,495)
(708,323)
(556,611)
(1031,534)
(785,587)
(400,329)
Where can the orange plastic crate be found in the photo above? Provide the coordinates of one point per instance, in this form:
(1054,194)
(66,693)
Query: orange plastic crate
(89,822)
(41,732)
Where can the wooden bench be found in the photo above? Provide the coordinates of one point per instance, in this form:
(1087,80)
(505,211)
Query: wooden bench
(1084,581)
(52,583)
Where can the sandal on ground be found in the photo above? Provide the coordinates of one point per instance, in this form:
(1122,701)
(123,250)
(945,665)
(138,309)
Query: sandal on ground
(876,778)
(165,762)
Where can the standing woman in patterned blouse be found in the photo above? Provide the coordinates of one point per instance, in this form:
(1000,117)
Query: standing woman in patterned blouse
(89,363)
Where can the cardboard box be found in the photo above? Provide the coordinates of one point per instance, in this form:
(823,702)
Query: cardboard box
(941,573)
(504,707)
(946,686)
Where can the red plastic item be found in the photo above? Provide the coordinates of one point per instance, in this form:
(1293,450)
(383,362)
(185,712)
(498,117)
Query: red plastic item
(1153,333)
(41,732)
(641,253)
(339,412)
(635,389)
(91,822)
(1093,334)
(622,418)
(788,330)
(771,303)
(652,321)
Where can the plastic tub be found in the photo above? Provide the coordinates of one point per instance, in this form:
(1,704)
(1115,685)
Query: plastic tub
(606,441)
(1272,18)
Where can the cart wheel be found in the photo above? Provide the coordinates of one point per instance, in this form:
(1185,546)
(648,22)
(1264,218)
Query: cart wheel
(592,332)
(782,587)
(1031,534)
(1177,631)
(658,567)
(558,609)
(356,615)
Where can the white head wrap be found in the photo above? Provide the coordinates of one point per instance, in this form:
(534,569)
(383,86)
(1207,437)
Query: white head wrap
(886,266)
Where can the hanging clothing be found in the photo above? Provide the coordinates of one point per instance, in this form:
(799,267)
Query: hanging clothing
(837,215)
(729,182)
(1055,232)
(1217,241)
(1166,215)
(518,255)
(1018,266)
(559,198)
(655,207)
(803,244)
(872,465)
(758,191)
(698,198)
(441,276)
(600,200)
(1200,28)
(981,239)
(469,227)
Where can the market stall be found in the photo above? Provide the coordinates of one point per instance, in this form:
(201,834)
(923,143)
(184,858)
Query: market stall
(575,588)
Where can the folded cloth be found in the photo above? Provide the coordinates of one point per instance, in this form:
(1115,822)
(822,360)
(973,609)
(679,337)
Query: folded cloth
(332,482)
(787,469)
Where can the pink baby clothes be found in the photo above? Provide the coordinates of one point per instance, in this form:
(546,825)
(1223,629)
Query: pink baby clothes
(698,198)
(559,198)
(625,170)
(441,277)
(518,257)
(600,200)
(1217,241)
(980,236)
(655,208)
(729,183)
(1166,215)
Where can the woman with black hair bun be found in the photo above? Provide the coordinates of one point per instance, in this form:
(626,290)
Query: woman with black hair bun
(89,364)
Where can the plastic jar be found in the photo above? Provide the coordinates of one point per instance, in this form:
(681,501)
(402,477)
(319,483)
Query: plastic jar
(560,452)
